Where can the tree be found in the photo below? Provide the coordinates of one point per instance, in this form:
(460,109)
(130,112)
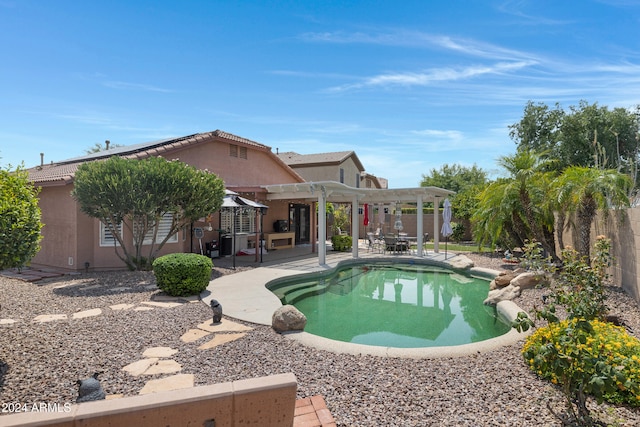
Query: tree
(587,135)
(467,182)
(19,219)
(454,177)
(540,129)
(517,208)
(138,194)
(585,191)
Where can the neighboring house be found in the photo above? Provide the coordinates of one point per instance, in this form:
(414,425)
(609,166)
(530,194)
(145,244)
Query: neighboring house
(75,241)
(341,166)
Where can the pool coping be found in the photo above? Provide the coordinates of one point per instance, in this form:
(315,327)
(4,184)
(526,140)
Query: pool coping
(244,296)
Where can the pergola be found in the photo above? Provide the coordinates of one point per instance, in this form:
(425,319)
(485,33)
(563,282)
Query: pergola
(331,191)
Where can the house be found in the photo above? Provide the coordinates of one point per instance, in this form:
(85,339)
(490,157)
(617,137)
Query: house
(74,241)
(340,166)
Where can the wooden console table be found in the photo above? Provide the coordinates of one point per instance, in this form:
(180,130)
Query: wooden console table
(273,240)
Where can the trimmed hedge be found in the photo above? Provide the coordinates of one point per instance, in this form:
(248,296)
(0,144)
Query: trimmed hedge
(182,274)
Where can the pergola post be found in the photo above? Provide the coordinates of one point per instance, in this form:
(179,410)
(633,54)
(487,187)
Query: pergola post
(436,224)
(354,226)
(322,227)
(419,225)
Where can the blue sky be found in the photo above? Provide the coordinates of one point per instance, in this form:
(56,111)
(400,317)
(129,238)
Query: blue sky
(409,85)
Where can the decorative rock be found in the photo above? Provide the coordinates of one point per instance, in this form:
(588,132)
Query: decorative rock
(460,262)
(288,318)
(504,278)
(159,352)
(507,293)
(143,308)
(528,280)
(90,389)
(7,322)
(216,307)
(174,382)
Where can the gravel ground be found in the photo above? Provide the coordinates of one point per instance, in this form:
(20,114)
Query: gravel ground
(40,362)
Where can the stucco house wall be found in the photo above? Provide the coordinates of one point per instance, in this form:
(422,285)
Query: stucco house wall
(71,239)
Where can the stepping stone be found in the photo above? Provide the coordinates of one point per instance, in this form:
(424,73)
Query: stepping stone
(169,298)
(163,367)
(121,306)
(49,318)
(143,308)
(159,352)
(162,304)
(137,368)
(86,313)
(7,322)
(224,326)
(193,335)
(221,339)
(174,382)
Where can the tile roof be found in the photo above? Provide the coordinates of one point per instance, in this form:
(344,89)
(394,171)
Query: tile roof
(63,172)
(294,159)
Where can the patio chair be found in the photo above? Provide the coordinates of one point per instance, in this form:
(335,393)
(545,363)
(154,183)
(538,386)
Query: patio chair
(374,244)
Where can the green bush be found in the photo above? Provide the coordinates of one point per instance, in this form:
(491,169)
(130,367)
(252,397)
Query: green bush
(458,231)
(341,243)
(182,274)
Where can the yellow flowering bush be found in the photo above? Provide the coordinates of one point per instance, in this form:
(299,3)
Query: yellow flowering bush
(587,357)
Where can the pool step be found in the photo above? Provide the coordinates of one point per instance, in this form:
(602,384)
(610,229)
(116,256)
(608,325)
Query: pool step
(296,295)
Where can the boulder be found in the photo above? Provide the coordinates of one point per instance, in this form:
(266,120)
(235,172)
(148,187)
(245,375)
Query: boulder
(288,318)
(504,278)
(508,292)
(460,262)
(528,280)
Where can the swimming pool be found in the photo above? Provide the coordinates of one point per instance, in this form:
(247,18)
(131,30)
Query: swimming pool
(393,305)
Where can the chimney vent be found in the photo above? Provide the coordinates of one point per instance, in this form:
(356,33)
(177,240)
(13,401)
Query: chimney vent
(41,159)
(107,142)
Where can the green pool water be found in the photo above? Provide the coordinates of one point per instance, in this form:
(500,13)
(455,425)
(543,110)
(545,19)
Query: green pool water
(394,305)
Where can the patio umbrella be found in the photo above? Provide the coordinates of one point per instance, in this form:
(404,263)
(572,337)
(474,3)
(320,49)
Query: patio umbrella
(446,224)
(365,210)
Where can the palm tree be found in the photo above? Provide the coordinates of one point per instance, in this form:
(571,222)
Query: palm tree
(529,184)
(584,191)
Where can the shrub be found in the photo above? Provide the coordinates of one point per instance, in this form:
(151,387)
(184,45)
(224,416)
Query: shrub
(341,243)
(582,354)
(587,357)
(182,274)
(458,231)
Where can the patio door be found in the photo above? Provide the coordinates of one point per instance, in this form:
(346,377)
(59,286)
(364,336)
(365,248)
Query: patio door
(300,219)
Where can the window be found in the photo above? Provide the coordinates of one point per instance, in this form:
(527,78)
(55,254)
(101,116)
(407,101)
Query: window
(357,180)
(341,176)
(164,226)
(245,220)
(235,151)
(106,238)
